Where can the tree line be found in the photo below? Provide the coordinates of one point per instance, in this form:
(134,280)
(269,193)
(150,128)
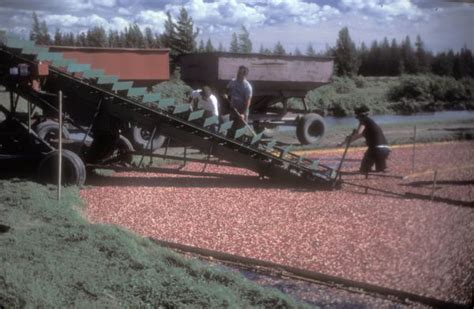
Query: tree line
(384,58)
(394,58)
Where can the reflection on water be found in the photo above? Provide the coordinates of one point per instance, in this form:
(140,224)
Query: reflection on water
(390,119)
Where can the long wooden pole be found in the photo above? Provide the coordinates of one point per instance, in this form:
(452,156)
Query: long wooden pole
(60,146)
(414,147)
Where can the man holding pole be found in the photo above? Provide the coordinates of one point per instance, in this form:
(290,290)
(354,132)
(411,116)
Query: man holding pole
(378,150)
(240,92)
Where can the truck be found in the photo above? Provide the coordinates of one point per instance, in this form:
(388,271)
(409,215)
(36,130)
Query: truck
(274,79)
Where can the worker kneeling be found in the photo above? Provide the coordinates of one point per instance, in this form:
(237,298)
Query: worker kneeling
(378,150)
(204,99)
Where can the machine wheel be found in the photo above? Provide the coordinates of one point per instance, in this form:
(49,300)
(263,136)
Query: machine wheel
(73,168)
(48,130)
(310,129)
(123,151)
(140,137)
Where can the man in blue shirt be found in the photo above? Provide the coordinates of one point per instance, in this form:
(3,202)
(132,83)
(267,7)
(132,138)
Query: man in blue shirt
(240,92)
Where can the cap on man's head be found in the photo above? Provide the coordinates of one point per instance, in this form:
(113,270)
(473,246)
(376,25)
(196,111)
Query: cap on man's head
(206,91)
(361,110)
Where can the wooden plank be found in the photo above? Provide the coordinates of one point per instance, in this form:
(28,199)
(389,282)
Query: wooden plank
(47,56)
(136,92)
(181,108)
(163,103)
(226,126)
(117,86)
(107,79)
(94,73)
(151,97)
(210,121)
(240,132)
(78,67)
(256,138)
(196,115)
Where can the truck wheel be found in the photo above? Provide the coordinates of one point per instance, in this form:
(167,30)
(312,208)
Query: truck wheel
(124,150)
(310,129)
(48,130)
(140,137)
(73,169)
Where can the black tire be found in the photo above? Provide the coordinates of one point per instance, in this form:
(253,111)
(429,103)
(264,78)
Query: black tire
(140,137)
(73,169)
(48,130)
(310,129)
(123,152)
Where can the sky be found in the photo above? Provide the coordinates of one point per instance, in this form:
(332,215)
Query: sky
(442,24)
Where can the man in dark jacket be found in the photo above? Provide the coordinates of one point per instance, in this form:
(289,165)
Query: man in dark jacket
(378,150)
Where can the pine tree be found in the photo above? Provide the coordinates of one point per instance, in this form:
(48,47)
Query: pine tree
(97,37)
(234,44)
(310,51)
(150,41)
(421,56)
(58,37)
(408,57)
(209,47)
(364,59)
(39,32)
(395,66)
(245,44)
(297,52)
(345,54)
(221,47)
(185,41)
(279,49)
(201,47)
(134,37)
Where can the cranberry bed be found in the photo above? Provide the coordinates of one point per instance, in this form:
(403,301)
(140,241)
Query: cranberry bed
(391,235)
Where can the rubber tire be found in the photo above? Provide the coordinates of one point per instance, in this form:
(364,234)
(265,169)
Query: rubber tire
(124,144)
(73,169)
(141,143)
(45,128)
(310,129)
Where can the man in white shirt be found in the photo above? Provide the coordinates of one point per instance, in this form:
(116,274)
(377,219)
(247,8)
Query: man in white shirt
(204,99)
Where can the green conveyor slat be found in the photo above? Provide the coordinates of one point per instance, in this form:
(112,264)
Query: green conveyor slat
(151,97)
(271,144)
(136,92)
(93,73)
(18,43)
(107,79)
(226,126)
(225,118)
(240,132)
(284,151)
(164,103)
(48,56)
(33,50)
(256,138)
(300,160)
(333,173)
(210,121)
(314,165)
(196,115)
(62,62)
(78,67)
(117,86)
(181,108)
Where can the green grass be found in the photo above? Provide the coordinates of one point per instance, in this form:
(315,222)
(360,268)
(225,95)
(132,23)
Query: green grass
(392,95)
(53,257)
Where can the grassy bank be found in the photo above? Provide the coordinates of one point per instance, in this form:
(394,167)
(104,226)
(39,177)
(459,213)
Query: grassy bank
(392,95)
(52,257)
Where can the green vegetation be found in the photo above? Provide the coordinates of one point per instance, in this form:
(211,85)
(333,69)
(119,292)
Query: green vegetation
(52,257)
(392,95)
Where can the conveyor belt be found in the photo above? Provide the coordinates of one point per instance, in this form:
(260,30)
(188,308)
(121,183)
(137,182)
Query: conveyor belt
(85,89)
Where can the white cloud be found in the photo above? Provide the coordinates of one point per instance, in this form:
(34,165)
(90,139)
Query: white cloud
(106,3)
(152,19)
(384,8)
